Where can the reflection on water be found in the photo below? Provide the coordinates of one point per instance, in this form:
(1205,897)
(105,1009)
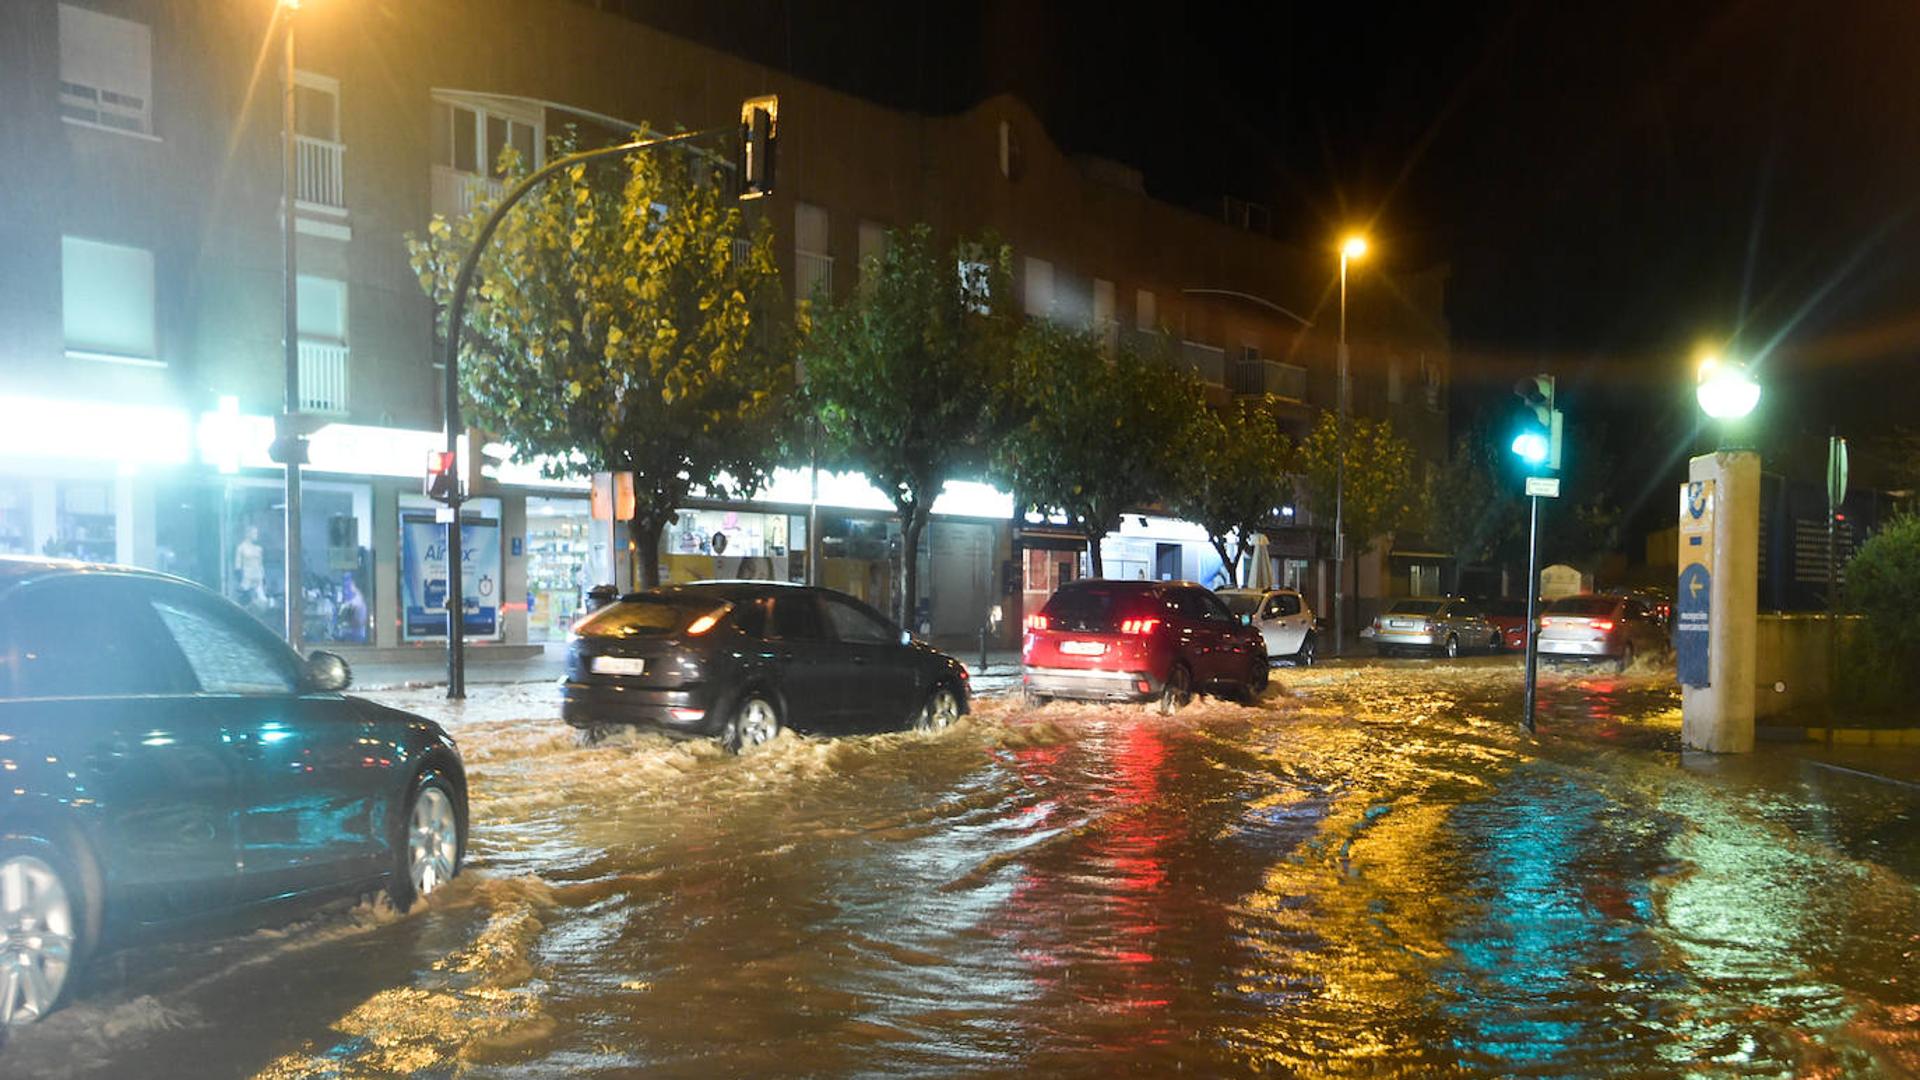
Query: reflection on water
(1372,873)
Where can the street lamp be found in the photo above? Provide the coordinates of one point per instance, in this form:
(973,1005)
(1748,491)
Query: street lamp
(1354,247)
(1726,391)
(290,447)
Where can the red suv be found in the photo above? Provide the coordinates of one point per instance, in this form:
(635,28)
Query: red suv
(1155,641)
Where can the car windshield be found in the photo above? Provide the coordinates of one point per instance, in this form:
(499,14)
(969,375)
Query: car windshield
(1241,603)
(1415,607)
(1582,605)
(648,616)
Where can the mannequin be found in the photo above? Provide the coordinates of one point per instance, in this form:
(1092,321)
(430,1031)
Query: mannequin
(250,567)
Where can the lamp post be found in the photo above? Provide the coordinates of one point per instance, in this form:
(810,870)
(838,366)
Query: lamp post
(289,443)
(1354,247)
(1716,601)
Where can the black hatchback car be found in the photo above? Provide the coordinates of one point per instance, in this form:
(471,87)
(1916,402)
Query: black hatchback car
(740,660)
(165,757)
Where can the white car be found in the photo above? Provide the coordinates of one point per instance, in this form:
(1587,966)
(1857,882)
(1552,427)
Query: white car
(1283,619)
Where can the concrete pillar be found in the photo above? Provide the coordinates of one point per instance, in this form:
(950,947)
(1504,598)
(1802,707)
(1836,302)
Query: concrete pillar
(133,530)
(1718,717)
(385,605)
(513,568)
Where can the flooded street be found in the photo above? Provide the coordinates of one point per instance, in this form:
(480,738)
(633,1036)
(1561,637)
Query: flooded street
(1371,872)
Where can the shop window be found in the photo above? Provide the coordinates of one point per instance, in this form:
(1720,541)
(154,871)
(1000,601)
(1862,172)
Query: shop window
(336,538)
(106,298)
(559,551)
(16,518)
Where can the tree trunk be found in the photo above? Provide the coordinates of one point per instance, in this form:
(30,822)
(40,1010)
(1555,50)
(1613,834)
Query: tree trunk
(1093,554)
(644,531)
(1228,565)
(912,523)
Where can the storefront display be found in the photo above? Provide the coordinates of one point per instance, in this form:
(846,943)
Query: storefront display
(423,571)
(559,545)
(85,526)
(16,517)
(706,544)
(336,555)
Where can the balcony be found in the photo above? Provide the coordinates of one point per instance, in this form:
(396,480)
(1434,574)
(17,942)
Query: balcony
(1206,361)
(1262,377)
(323,378)
(320,175)
(812,272)
(455,193)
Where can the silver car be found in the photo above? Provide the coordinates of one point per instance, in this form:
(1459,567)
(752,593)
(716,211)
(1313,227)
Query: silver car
(1437,625)
(1600,629)
(1283,619)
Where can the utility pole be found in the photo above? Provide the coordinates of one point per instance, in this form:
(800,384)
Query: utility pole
(290,443)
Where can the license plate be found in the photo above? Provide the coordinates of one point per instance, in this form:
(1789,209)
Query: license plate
(1399,624)
(619,665)
(1083,648)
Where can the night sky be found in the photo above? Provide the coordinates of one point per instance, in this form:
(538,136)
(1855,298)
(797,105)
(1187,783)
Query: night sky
(1612,184)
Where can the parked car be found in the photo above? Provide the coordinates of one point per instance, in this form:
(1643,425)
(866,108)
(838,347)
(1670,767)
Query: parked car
(1283,619)
(1600,629)
(1509,617)
(170,758)
(1438,625)
(1159,641)
(740,661)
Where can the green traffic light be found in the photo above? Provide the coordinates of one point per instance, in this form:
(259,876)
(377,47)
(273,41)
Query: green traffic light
(1531,446)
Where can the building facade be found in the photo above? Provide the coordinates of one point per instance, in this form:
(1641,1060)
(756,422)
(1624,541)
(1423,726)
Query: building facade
(141,310)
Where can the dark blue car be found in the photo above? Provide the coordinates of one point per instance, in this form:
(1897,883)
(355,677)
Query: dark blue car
(165,756)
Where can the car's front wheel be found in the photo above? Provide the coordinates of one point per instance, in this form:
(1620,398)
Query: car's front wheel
(940,711)
(1453,647)
(41,923)
(1304,658)
(756,723)
(435,843)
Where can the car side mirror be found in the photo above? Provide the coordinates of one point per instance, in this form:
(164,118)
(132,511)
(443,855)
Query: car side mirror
(327,673)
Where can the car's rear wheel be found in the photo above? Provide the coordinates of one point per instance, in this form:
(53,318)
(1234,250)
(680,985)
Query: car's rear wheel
(41,930)
(940,711)
(435,843)
(1256,680)
(1304,658)
(1177,691)
(1453,646)
(756,723)
(1626,659)
(1032,699)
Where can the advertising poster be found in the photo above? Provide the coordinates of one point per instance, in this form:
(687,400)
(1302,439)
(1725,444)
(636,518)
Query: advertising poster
(423,575)
(1693,606)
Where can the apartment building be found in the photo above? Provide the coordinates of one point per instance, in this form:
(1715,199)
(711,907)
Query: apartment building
(141,360)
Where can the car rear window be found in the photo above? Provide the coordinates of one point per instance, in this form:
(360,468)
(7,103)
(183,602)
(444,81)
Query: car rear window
(1415,607)
(1582,605)
(1093,609)
(648,616)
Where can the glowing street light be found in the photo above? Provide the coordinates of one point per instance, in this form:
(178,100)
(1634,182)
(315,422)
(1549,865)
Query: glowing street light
(1726,391)
(1353,247)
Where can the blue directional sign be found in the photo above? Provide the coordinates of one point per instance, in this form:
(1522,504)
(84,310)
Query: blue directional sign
(1693,609)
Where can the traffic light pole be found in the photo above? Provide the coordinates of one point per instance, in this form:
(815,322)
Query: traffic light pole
(456,316)
(1533,604)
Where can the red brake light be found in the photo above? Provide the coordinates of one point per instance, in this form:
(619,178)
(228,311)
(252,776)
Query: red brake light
(1036,622)
(1138,626)
(1543,622)
(1601,624)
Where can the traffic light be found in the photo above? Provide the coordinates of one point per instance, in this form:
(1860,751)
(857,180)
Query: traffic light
(442,478)
(759,126)
(1536,440)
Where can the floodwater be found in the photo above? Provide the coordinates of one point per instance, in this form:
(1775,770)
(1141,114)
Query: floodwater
(1372,872)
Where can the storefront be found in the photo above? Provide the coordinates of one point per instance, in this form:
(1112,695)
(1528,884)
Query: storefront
(704,544)
(336,555)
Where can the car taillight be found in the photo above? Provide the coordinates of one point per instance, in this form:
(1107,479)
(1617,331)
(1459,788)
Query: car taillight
(1036,622)
(703,624)
(1601,624)
(1138,626)
(1543,622)
(1426,627)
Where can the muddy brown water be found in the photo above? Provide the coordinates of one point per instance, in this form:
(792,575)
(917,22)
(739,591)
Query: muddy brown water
(1370,872)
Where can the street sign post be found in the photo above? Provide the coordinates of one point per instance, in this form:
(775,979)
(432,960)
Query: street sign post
(1836,496)
(1693,606)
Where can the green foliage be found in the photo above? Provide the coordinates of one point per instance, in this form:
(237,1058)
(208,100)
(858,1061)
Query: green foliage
(1092,434)
(901,375)
(1476,507)
(1234,473)
(605,333)
(1883,584)
(1380,492)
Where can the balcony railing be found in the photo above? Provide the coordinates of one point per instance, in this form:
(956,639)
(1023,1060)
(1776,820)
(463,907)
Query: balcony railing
(812,272)
(323,378)
(1205,361)
(456,192)
(320,175)
(1259,377)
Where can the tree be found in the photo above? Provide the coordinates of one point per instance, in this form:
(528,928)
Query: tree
(614,327)
(1883,584)
(1233,476)
(901,374)
(1380,493)
(1093,436)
